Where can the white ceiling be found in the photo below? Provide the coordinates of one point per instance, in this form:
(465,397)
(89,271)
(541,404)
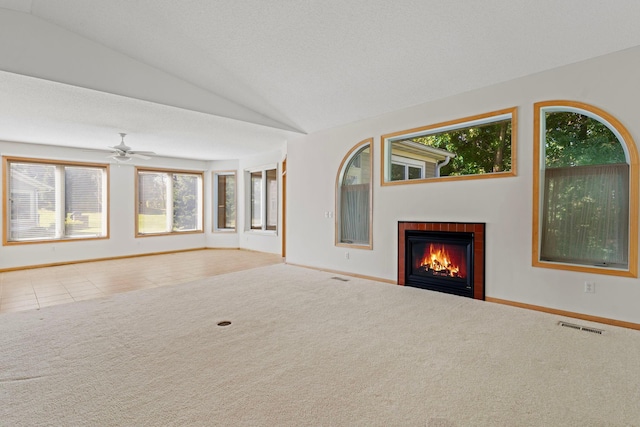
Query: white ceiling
(243,76)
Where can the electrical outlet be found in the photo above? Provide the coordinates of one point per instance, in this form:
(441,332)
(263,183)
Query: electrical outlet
(590,287)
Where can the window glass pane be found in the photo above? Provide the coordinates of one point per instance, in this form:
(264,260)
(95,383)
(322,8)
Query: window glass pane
(32,201)
(574,139)
(226,194)
(355,198)
(398,172)
(585,218)
(585,207)
(48,201)
(272,199)
(414,172)
(185,202)
(256,200)
(473,146)
(84,213)
(230,201)
(152,202)
(169,202)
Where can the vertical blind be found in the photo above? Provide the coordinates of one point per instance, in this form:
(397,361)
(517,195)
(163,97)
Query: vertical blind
(585,215)
(355,203)
(55,201)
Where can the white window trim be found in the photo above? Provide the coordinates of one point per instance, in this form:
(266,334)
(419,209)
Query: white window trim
(406,162)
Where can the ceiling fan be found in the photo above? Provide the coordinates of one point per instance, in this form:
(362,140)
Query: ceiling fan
(124,153)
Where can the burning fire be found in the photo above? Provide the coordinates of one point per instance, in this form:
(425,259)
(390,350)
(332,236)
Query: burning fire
(439,262)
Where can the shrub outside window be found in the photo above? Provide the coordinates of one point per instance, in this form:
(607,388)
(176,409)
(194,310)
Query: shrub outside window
(49,201)
(354,197)
(168,202)
(481,146)
(584,190)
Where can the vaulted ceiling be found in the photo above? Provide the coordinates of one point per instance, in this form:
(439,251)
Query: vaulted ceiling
(230,78)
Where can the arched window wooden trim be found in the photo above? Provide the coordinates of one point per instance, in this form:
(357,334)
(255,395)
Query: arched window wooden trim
(631,154)
(355,150)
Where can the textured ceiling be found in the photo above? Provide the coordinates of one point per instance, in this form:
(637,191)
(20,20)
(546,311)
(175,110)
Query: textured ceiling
(267,68)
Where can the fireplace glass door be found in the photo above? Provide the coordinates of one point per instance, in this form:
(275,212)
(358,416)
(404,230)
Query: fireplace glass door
(440,261)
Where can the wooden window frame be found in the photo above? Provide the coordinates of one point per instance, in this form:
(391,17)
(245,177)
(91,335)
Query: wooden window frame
(451,125)
(200,174)
(6,160)
(216,197)
(624,137)
(341,170)
(264,228)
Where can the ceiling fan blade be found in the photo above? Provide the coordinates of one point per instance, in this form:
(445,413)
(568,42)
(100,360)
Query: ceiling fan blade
(138,155)
(144,153)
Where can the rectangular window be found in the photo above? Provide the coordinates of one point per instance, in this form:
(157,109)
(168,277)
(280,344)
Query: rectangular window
(263,199)
(403,168)
(47,201)
(224,184)
(168,202)
(473,147)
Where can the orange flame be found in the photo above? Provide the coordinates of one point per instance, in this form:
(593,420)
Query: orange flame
(439,260)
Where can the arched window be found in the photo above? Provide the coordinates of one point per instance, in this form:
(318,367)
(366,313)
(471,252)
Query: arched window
(353,197)
(585,190)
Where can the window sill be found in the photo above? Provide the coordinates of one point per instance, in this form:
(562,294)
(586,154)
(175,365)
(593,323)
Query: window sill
(364,246)
(610,271)
(174,233)
(262,232)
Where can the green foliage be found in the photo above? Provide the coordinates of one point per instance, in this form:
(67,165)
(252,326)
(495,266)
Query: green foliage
(585,217)
(185,202)
(479,149)
(573,139)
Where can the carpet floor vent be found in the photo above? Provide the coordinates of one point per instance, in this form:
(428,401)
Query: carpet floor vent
(580,327)
(342,279)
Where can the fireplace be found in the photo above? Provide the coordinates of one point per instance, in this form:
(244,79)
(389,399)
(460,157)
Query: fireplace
(442,256)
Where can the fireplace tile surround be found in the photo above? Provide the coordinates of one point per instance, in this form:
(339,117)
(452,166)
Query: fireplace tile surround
(478,231)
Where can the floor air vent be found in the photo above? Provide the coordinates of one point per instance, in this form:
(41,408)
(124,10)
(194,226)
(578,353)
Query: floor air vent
(342,279)
(580,328)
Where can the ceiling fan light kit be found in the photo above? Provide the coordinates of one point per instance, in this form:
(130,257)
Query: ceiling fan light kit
(123,153)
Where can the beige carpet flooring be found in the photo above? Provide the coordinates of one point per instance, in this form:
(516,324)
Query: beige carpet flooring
(305,349)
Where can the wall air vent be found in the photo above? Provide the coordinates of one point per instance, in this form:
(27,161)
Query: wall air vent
(580,327)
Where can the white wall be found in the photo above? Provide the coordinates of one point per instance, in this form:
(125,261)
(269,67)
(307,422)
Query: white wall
(262,241)
(609,82)
(122,241)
